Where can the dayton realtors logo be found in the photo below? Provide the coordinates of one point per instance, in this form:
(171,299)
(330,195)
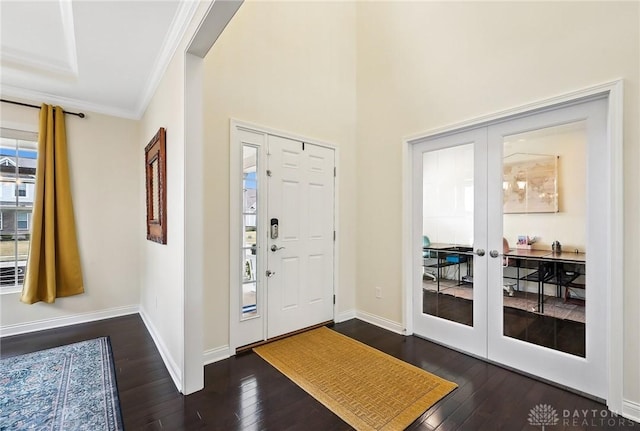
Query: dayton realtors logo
(544,415)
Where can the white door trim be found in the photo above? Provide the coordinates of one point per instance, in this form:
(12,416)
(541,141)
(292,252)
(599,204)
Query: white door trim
(615,318)
(234,217)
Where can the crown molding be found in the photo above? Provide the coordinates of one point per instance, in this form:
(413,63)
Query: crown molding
(38,97)
(181,20)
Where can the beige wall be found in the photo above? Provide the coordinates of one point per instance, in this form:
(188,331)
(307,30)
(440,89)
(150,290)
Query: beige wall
(427,65)
(162,265)
(103,161)
(165,297)
(291,67)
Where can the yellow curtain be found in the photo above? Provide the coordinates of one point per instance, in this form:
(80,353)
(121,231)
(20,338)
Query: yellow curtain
(53,266)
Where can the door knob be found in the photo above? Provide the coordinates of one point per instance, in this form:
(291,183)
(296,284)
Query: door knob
(270,273)
(494,253)
(275,248)
(480,252)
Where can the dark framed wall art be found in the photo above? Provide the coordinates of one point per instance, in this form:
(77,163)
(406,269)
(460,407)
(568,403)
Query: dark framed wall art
(156,176)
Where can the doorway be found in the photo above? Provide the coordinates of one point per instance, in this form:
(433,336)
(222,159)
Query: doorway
(282,236)
(507,228)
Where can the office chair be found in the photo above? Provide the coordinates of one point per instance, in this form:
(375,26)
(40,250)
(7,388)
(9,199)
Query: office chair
(426,254)
(507,285)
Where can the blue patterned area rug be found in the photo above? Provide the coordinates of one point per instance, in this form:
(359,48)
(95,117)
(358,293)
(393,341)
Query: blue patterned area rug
(71,387)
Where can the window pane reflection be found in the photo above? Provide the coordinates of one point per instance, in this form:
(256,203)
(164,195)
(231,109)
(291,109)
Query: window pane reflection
(448,233)
(544,206)
(249,291)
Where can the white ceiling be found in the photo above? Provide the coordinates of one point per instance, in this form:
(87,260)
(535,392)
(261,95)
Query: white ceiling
(100,56)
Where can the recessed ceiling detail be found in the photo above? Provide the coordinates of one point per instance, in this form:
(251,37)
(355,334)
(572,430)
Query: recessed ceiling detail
(101,56)
(46,45)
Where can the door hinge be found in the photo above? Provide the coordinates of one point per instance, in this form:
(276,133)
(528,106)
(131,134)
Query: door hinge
(268,172)
(334,235)
(334,299)
(303,146)
(335,171)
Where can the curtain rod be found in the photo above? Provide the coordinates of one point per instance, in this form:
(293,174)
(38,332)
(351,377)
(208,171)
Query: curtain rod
(77,114)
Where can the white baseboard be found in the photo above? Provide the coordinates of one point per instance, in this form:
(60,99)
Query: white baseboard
(58,322)
(387,324)
(631,410)
(214,355)
(345,315)
(170,364)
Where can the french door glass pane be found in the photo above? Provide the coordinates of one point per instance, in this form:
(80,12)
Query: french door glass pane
(544,230)
(250,231)
(447,229)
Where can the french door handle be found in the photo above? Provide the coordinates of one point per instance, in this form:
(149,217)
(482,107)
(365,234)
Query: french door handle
(480,252)
(494,253)
(275,248)
(270,273)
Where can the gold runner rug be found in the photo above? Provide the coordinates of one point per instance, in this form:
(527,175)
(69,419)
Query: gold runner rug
(367,388)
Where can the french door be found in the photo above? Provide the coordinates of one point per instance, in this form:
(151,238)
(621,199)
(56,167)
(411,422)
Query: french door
(508,232)
(450,220)
(282,275)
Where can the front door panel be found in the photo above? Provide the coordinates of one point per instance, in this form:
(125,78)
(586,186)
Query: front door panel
(301,257)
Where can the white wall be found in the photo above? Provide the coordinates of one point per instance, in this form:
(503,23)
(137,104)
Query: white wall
(291,67)
(447,195)
(568,225)
(424,65)
(104,166)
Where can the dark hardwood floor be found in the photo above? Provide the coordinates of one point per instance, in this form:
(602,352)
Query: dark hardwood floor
(558,334)
(246,393)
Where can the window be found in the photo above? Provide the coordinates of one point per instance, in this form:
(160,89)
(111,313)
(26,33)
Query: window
(21,190)
(18,159)
(22,219)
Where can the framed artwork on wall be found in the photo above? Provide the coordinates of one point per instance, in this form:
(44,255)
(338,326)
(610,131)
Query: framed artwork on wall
(156,175)
(530,183)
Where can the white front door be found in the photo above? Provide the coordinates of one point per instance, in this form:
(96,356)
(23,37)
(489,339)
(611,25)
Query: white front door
(279,282)
(539,182)
(300,256)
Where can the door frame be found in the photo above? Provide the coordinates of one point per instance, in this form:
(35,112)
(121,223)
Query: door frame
(614,323)
(235,227)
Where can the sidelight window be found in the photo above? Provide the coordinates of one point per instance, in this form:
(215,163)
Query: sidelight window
(249,261)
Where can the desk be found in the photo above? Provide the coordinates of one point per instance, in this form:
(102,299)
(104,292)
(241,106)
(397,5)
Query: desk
(450,254)
(567,279)
(549,269)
